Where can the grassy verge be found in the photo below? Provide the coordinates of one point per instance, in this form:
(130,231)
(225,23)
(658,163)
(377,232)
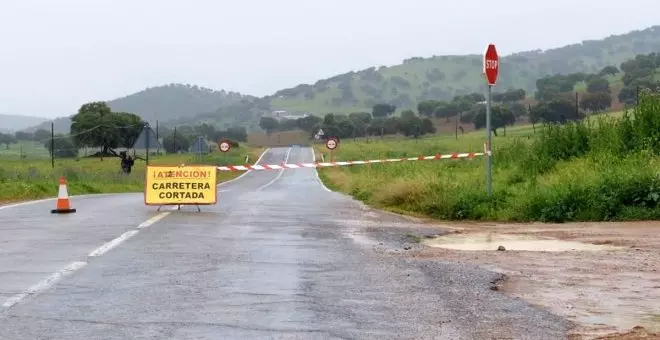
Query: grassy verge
(34,179)
(603,168)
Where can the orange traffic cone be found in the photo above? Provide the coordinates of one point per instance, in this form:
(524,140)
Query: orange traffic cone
(63,204)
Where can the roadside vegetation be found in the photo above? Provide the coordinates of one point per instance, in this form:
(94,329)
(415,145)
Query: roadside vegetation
(89,157)
(603,168)
(36,178)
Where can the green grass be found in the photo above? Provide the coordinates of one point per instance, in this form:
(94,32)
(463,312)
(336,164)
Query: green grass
(36,178)
(604,168)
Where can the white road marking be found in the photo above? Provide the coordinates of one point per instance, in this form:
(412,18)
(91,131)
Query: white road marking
(14,205)
(153,220)
(286,159)
(316,171)
(75,266)
(44,284)
(111,244)
(245,173)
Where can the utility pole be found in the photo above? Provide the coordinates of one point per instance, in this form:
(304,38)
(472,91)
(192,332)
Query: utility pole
(52,144)
(174,140)
(157,138)
(147,146)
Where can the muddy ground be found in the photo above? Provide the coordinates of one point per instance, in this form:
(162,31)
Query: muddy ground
(605,278)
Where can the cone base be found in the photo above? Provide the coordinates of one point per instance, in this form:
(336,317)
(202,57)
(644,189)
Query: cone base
(62,211)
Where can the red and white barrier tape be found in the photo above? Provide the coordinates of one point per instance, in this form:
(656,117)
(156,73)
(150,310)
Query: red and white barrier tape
(343,163)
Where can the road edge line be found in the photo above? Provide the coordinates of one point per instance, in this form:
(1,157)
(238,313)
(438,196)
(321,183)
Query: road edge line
(19,204)
(316,171)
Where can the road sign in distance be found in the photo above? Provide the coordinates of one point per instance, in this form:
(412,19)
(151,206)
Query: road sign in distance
(331,144)
(491,64)
(224,146)
(320,133)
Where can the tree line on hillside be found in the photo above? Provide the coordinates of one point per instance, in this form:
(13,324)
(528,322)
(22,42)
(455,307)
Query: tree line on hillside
(640,72)
(470,108)
(357,124)
(443,77)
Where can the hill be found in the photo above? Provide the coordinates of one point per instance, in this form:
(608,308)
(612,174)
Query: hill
(163,103)
(443,77)
(11,123)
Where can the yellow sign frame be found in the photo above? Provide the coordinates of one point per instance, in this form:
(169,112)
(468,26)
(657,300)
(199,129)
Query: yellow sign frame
(182,174)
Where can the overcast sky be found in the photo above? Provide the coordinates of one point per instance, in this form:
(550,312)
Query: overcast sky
(59,54)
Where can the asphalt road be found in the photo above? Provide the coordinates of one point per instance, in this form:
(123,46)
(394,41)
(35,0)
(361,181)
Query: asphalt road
(279,256)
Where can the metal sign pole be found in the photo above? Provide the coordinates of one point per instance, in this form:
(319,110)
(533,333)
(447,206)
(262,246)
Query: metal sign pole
(489,180)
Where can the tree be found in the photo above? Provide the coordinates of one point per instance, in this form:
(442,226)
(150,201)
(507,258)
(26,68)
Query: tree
(186,130)
(557,111)
(444,110)
(129,127)
(500,117)
(360,122)
(96,125)
(205,130)
(598,84)
(428,107)
(361,117)
(309,123)
(427,127)
(41,135)
(596,102)
(608,70)
(63,147)
(175,143)
(517,109)
(287,125)
(412,125)
(237,133)
(386,126)
(510,95)
(268,124)
(383,110)
(22,135)
(7,139)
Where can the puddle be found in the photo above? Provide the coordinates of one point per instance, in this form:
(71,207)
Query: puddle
(489,241)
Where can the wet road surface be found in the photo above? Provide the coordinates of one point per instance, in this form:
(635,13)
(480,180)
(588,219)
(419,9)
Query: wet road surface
(279,256)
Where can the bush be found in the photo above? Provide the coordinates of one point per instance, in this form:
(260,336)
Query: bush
(598,169)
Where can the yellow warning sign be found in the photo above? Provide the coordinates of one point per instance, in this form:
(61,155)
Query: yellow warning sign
(174,185)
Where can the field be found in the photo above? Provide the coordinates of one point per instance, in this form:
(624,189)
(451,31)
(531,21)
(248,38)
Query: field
(284,138)
(33,177)
(604,168)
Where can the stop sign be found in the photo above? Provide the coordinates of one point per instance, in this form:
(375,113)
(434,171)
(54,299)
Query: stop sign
(491,64)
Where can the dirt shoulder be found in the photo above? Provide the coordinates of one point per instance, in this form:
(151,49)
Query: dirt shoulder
(605,278)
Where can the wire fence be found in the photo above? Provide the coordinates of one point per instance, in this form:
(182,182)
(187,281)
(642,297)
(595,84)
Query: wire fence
(147,143)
